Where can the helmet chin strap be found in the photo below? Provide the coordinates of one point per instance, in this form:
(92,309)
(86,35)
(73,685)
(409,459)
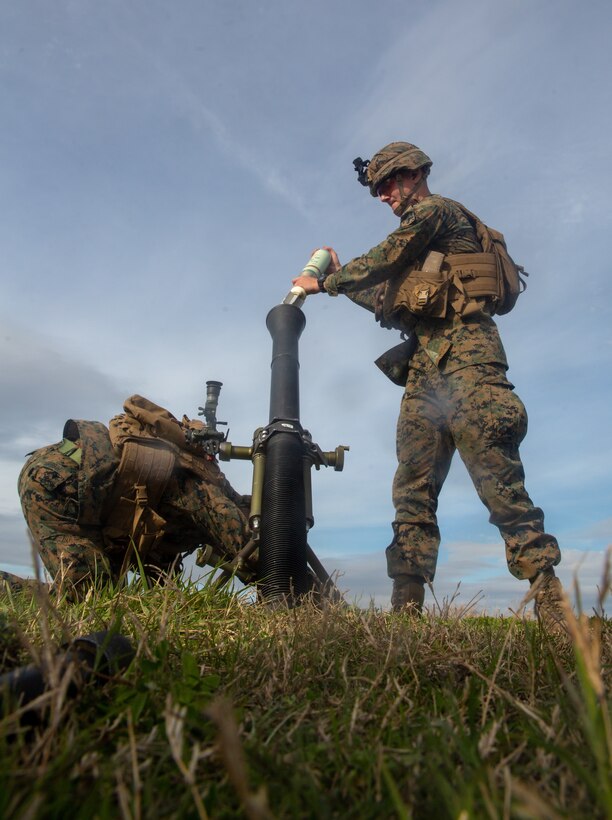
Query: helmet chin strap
(408,197)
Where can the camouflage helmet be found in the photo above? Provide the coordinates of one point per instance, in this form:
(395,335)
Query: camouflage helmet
(392,158)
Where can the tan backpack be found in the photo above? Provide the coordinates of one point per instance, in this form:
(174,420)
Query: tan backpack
(510,276)
(151,442)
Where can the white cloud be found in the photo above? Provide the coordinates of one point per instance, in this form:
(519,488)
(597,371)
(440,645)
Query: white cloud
(468,571)
(15,547)
(41,386)
(9,499)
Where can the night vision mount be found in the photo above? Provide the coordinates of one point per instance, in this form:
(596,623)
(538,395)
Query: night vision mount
(361,167)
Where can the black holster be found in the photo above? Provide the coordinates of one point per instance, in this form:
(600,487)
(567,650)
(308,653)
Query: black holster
(395,362)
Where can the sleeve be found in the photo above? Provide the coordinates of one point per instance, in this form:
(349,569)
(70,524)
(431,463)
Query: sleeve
(365,298)
(398,252)
(243,502)
(49,494)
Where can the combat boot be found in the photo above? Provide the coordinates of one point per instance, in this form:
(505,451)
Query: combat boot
(408,593)
(548,604)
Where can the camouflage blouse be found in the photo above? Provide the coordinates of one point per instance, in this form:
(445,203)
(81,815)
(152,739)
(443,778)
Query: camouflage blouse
(433,224)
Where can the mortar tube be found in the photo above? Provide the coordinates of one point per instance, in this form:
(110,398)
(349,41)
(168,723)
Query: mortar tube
(283,570)
(285,323)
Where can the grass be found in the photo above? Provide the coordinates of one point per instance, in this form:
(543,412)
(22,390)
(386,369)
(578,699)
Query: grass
(235,710)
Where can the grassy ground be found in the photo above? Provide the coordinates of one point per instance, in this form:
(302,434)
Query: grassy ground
(235,710)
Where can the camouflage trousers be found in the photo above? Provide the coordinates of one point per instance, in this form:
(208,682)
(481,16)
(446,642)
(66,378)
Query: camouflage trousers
(473,410)
(196,512)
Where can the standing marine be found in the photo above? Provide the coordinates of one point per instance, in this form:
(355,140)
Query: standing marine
(440,277)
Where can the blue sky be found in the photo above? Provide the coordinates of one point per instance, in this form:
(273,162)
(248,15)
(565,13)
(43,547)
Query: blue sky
(166,168)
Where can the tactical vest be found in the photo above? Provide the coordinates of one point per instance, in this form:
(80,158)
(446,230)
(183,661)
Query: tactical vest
(467,283)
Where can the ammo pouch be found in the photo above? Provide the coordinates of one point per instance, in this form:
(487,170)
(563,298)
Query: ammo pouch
(395,362)
(420,293)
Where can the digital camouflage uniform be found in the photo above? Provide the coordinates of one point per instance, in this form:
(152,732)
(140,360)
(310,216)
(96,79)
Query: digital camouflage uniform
(66,490)
(457,397)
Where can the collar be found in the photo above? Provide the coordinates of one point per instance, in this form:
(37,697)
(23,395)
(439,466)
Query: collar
(410,205)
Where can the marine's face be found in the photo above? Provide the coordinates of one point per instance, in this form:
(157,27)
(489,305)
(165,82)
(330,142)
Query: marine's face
(393,189)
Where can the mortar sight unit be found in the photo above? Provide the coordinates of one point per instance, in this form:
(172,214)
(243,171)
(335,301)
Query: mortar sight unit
(208,437)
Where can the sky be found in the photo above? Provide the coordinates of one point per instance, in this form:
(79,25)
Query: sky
(166,169)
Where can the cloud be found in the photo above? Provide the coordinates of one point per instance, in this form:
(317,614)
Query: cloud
(189,101)
(600,530)
(9,499)
(191,97)
(41,386)
(15,548)
(487,116)
(466,572)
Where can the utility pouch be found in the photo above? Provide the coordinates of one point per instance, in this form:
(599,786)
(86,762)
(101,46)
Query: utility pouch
(421,292)
(395,362)
(477,273)
(425,297)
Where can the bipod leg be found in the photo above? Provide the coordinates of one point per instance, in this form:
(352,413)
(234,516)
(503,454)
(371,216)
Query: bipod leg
(327,588)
